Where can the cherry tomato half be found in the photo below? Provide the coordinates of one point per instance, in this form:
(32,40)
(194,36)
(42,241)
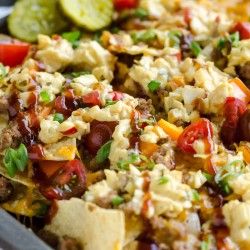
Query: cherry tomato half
(66,104)
(92,98)
(233,109)
(100,133)
(117,95)
(12,52)
(243,28)
(200,129)
(121,4)
(68,181)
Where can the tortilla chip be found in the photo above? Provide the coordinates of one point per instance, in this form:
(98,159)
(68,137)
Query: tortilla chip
(94,227)
(24,177)
(21,200)
(64,150)
(134,227)
(132,246)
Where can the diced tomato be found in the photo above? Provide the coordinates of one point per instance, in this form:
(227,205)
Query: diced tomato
(92,98)
(243,28)
(178,56)
(198,130)
(233,109)
(70,131)
(100,133)
(121,4)
(12,52)
(50,167)
(187,15)
(117,95)
(35,152)
(68,181)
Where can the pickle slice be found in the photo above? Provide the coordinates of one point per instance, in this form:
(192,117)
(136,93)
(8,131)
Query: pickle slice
(89,14)
(32,17)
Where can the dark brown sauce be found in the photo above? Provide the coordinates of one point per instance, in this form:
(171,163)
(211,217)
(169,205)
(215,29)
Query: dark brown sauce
(147,202)
(36,152)
(52,212)
(134,142)
(147,246)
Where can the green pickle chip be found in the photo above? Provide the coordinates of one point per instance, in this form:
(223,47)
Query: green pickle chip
(32,17)
(89,14)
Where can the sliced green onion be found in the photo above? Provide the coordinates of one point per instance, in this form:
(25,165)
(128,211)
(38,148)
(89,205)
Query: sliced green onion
(114,30)
(117,200)
(235,37)
(40,207)
(163,180)
(72,36)
(175,36)
(147,36)
(204,245)
(45,96)
(15,159)
(9,163)
(209,177)
(228,171)
(196,195)
(77,74)
(103,152)
(154,85)
(21,160)
(3,71)
(141,13)
(221,43)
(196,48)
(58,117)
(124,165)
(109,102)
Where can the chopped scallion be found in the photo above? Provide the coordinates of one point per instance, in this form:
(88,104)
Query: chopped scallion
(2,71)
(235,37)
(141,13)
(109,102)
(117,200)
(103,152)
(175,36)
(154,85)
(45,96)
(196,195)
(209,177)
(58,117)
(196,48)
(163,180)
(14,160)
(72,37)
(9,163)
(221,43)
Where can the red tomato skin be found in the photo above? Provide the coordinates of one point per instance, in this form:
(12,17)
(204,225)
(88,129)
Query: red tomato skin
(51,188)
(13,54)
(122,4)
(233,109)
(100,133)
(187,15)
(70,131)
(117,95)
(200,129)
(92,98)
(243,28)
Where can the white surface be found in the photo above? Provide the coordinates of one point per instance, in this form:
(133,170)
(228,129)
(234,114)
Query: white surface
(5,11)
